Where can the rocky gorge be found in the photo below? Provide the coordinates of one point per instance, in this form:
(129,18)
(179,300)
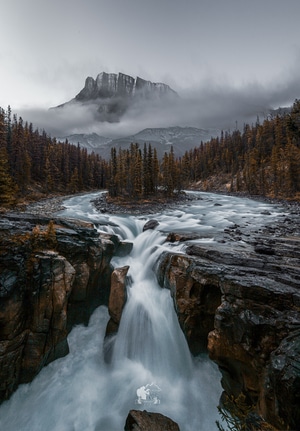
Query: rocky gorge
(53,274)
(241,304)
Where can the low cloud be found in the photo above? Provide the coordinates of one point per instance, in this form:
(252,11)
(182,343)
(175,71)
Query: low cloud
(209,106)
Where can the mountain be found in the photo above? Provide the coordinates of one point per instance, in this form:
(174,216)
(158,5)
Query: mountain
(111,94)
(181,138)
(90,141)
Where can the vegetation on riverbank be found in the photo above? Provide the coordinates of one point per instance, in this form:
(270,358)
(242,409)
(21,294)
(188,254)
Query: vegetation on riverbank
(262,159)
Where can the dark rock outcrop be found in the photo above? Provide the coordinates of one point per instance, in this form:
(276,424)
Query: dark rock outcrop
(111,94)
(52,275)
(150,225)
(117,298)
(146,421)
(195,289)
(255,335)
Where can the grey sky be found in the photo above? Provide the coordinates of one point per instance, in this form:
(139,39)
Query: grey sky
(198,47)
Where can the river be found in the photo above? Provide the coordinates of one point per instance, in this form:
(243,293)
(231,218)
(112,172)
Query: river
(150,364)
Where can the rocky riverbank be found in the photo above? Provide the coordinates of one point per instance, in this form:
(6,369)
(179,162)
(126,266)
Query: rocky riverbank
(53,274)
(239,296)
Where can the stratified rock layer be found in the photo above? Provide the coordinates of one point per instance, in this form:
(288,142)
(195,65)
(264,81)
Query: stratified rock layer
(255,336)
(111,94)
(52,275)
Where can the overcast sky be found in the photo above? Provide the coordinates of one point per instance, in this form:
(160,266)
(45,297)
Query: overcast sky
(238,48)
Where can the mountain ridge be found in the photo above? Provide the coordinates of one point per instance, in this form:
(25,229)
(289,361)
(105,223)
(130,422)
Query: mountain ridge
(111,94)
(162,138)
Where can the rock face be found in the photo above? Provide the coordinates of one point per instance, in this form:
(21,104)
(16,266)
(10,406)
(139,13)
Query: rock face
(195,288)
(145,421)
(51,277)
(108,85)
(113,93)
(117,298)
(253,290)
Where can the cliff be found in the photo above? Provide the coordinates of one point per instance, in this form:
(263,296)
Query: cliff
(52,276)
(111,94)
(240,298)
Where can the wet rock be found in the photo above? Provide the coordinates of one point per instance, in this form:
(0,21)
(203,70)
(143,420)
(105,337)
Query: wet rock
(48,282)
(124,248)
(118,296)
(255,307)
(196,294)
(283,382)
(181,237)
(151,224)
(264,249)
(146,421)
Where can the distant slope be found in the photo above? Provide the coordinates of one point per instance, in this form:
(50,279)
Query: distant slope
(181,138)
(90,141)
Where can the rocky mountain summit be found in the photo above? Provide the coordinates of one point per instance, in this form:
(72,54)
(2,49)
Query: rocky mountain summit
(112,94)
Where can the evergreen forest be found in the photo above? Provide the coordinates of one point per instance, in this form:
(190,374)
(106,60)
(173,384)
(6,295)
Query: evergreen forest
(261,159)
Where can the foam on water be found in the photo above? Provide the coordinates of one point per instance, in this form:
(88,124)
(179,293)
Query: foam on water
(82,392)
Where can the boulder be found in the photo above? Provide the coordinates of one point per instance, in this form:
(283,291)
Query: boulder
(151,224)
(145,421)
(117,297)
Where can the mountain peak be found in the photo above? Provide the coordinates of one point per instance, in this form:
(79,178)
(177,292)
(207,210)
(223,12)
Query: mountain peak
(113,93)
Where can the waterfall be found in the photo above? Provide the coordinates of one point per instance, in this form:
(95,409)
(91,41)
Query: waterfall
(150,359)
(149,333)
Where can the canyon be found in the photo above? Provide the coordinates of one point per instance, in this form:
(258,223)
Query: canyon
(239,303)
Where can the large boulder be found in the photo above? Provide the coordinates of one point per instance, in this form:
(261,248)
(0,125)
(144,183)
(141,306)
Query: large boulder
(146,421)
(117,298)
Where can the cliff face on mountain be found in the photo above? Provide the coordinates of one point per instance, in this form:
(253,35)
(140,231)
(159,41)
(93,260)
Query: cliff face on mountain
(111,94)
(52,276)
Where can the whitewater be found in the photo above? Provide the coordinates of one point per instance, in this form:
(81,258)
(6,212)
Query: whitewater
(147,365)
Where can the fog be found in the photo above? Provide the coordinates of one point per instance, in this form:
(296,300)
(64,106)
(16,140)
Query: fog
(211,105)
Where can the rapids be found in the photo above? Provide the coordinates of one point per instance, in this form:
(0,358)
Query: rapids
(82,392)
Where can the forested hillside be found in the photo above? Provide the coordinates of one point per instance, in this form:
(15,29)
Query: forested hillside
(34,165)
(262,159)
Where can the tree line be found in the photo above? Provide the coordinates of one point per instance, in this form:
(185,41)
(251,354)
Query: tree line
(261,159)
(139,174)
(31,162)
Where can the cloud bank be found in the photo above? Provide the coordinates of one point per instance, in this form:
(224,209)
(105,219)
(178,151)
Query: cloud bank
(207,106)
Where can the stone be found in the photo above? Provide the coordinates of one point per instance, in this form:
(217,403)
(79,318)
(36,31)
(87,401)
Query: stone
(117,297)
(151,224)
(196,295)
(146,421)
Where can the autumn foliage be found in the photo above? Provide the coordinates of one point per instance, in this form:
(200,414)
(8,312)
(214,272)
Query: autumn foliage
(261,159)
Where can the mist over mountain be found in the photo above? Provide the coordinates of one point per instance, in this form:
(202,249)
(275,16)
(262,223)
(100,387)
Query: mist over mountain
(110,95)
(213,105)
(181,138)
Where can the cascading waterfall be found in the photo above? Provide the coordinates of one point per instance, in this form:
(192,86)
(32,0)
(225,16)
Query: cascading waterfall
(82,392)
(149,333)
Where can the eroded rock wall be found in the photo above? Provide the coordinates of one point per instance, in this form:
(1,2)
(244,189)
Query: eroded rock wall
(254,295)
(52,275)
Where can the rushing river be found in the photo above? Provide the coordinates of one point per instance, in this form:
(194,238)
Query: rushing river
(151,367)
